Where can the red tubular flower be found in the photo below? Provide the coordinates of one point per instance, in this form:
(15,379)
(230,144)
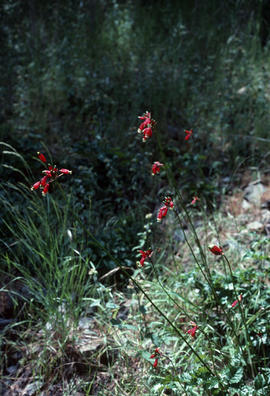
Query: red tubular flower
(43,181)
(237,301)
(36,186)
(189,133)
(145,255)
(146,126)
(51,174)
(45,189)
(41,157)
(155,356)
(156,168)
(192,331)
(216,250)
(145,116)
(147,133)
(162,213)
(168,202)
(65,171)
(155,353)
(47,173)
(195,199)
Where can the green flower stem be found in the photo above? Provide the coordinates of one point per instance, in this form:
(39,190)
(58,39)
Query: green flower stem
(153,304)
(182,309)
(247,336)
(172,182)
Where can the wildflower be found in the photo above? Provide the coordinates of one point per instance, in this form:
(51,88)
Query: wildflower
(43,181)
(50,175)
(42,157)
(36,186)
(145,255)
(65,171)
(195,199)
(192,331)
(155,356)
(146,126)
(162,213)
(156,168)
(188,134)
(147,121)
(47,172)
(216,250)
(45,189)
(237,301)
(168,202)
(147,133)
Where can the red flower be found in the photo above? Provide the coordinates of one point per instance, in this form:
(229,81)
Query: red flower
(146,126)
(36,186)
(145,255)
(147,133)
(192,331)
(65,171)
(41,157)
(156,168)
(195,199)
(48,172)
(155,356)
(168,202)
(51,174)
(237,301)
(45,189)
(216,250)
(189,133)
(43,181)
(162,213)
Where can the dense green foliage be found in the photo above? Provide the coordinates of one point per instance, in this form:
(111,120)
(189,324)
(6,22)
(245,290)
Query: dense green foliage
(74,77)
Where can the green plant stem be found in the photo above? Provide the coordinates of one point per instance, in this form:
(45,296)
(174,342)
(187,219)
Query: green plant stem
(181,308)
(172,182)
(247,337)
(153,304)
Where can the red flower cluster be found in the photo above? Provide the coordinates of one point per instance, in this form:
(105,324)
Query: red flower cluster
(192,331)
(216,250)
(146,126)
(156,168)
(168,203)
(145,255)
(50,175)
(188,134)
(162,213)
(155,356)
(237,301)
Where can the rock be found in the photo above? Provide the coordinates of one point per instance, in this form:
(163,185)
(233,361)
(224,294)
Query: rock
(255,226)
(246,205)
(253,193)
(85,323)
(31,389)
